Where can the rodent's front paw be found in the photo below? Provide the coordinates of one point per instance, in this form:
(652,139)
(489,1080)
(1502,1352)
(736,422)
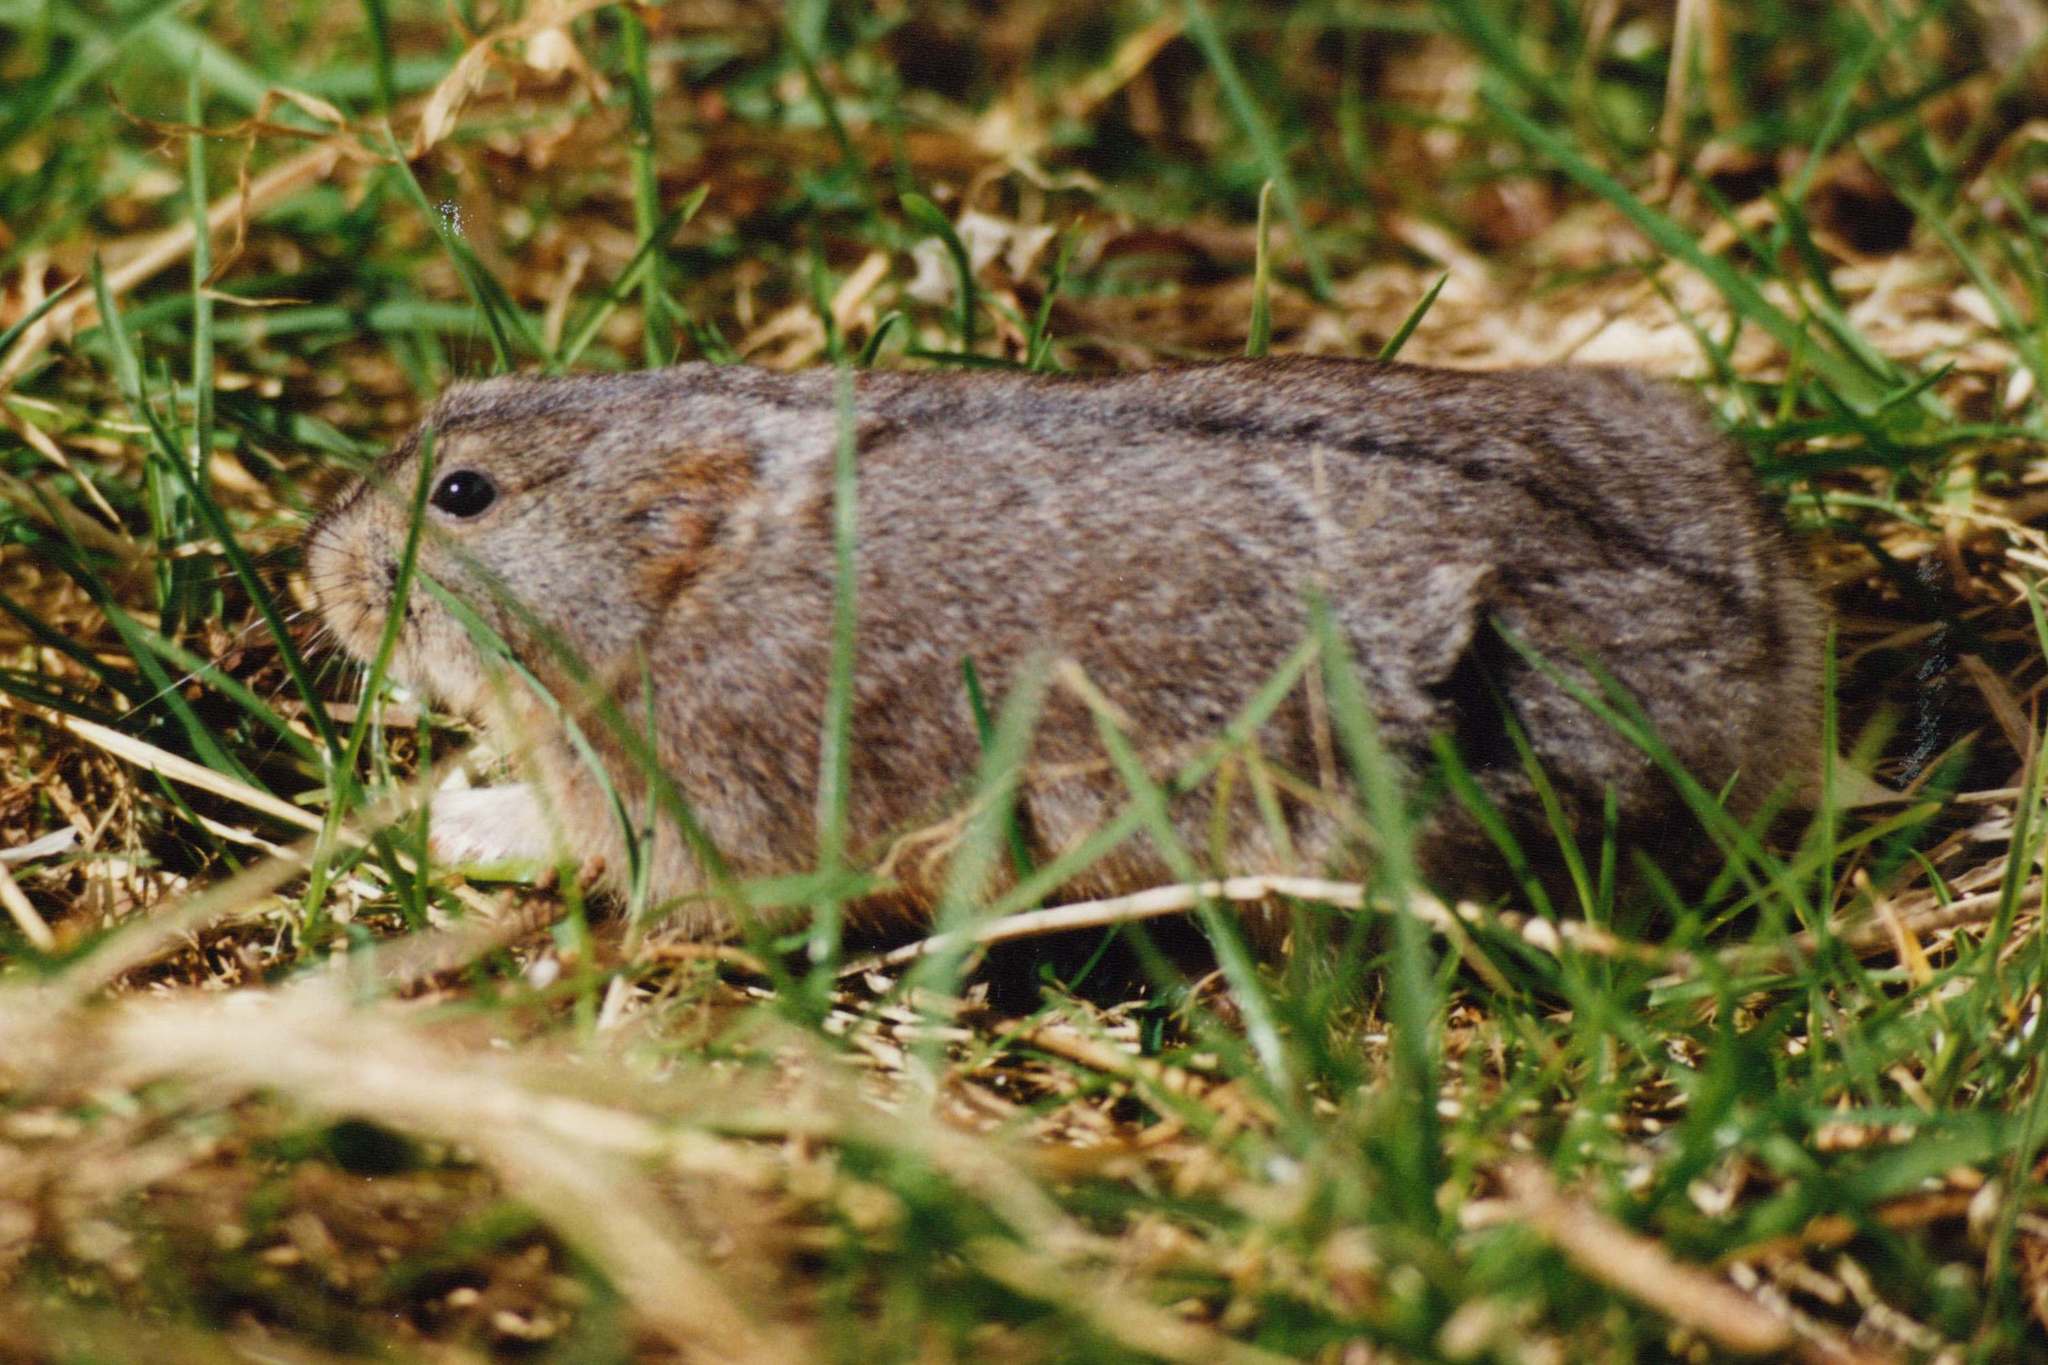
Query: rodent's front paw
(487,826)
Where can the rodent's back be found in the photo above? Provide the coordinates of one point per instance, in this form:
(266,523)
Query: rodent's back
(1161,529)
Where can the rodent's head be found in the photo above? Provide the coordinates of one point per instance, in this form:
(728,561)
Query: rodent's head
(566,513)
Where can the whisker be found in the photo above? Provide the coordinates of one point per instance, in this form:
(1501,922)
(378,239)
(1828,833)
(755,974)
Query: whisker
(196,674)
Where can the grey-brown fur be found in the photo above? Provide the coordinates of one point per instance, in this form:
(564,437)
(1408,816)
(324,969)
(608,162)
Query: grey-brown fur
(1157,528)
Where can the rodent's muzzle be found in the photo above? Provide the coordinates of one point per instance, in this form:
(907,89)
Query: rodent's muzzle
(352,588)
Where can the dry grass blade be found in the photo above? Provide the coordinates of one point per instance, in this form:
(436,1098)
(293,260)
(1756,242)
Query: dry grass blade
(1641,1268)
(1133,1325)
(417,958)
(165,764)
(32,926)
(140,942)
(1869,937)
(560,1157)
(2004,707)
(1132,56)
(1685,32)
(173,244)
(443,109)
(1097,914)
(1228,1102)
(1180,898)
(85,528)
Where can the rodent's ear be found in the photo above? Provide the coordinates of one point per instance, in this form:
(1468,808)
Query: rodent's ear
(1461,661)
(1448,602)
(670,517)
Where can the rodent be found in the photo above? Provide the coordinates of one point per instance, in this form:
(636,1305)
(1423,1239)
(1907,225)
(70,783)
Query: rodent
(1159,528)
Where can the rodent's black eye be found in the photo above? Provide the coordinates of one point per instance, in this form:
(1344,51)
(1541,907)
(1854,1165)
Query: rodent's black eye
(464,493)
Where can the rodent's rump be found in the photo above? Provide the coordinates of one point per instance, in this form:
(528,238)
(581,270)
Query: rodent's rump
(1160,529)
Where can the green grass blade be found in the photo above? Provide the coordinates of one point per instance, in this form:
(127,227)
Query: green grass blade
(178,43)
(925,214)
(1202,28)
(206,744)
(377,14)
(197,669)
(32,103)
(871,349)
(129,684)
(1482,28)
(1412,991)
(202,319)
(127,367)
(1259,335)
(1467,792)
(34,315)
(1005,745)
(1038,344)
(511,331)
(129,376)
(1856,385)
(828,108)
(165,506)
(986,735)
(1838,101)
(1261,1020)
(395,614)
(2023,335)
(586,329)
(835,752)
(346,791)
(1414,319)
(1129,820)
(657,345)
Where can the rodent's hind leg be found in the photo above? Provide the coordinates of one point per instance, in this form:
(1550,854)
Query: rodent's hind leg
(490,826)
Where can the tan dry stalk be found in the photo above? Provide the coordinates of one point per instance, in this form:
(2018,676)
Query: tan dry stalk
(1178,898)
(162,762)
(571,1160)
(1131,1322)
(439,114)
(32,925)
(1685,32)
(1640,1267)
(172,245)
(443,107)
